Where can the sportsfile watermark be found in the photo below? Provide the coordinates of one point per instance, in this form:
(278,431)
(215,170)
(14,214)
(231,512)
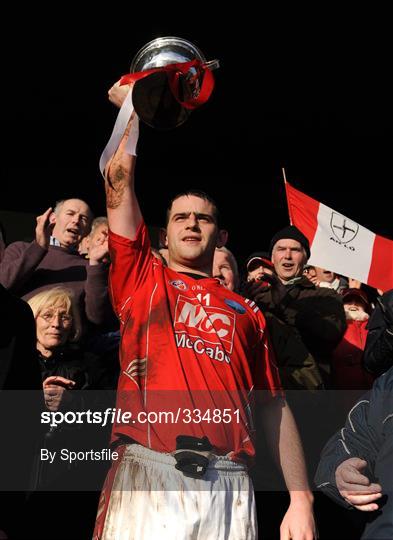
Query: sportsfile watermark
(72,448)
(118,416)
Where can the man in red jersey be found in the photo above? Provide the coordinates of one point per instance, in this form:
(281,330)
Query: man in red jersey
(193,355)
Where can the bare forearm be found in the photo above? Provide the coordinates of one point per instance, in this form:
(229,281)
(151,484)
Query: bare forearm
(291,455)
(292,459)
(124,215)
(286,446)
(298,522)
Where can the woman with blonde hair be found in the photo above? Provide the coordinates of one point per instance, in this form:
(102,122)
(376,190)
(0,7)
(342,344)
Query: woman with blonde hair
(58,325)
(62,300)
(64,370)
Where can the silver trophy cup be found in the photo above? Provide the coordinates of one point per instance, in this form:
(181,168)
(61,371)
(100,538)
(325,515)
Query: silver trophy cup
(153,98)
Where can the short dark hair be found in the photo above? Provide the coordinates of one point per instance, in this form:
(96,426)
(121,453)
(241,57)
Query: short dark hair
(194,193)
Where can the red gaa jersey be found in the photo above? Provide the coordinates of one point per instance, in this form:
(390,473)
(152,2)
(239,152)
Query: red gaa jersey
(192,354)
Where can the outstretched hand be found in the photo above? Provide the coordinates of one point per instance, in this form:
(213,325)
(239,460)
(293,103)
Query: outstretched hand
(355,487)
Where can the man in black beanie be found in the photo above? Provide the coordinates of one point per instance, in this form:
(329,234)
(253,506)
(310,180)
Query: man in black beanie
(291,232)
(291,252)
(316,313)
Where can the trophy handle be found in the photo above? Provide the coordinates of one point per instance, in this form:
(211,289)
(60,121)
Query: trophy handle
(212,64)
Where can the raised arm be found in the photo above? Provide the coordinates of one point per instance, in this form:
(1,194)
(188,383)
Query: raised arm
(124,214)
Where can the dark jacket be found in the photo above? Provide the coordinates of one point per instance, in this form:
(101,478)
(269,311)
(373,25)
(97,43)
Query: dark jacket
(68,362)
(19,369)
(21,404)
(297,367)
(378,355)
(316,313)
(367,434)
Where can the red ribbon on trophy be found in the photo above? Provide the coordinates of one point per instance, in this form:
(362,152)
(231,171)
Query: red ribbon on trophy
(174,72)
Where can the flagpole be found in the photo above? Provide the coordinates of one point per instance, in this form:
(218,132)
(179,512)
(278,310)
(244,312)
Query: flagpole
(286,192)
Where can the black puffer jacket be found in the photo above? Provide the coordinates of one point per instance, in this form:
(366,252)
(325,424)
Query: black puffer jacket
(367,434)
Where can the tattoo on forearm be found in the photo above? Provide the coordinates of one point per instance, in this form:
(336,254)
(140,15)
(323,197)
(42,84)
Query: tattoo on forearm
(114,187)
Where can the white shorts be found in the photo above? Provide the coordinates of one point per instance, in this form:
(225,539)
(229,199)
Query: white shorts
(147,498)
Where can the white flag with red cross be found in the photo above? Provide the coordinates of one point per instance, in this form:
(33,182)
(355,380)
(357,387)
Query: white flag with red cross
(339,244)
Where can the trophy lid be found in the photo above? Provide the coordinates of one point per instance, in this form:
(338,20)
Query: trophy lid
(163,51)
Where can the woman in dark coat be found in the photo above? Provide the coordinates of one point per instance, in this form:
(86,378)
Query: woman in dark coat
(64,372)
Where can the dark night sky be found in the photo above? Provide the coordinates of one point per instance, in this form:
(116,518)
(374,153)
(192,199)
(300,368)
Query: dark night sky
(308,97)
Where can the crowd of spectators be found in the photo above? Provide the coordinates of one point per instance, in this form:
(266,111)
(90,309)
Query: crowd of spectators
(331,338)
